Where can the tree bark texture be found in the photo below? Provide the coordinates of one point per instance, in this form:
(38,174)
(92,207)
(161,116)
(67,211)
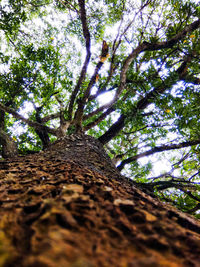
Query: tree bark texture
(69,206)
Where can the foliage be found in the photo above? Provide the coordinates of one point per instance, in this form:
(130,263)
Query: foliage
(53,78)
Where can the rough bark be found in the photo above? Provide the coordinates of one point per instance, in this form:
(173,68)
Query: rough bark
(69,206)
(8,145)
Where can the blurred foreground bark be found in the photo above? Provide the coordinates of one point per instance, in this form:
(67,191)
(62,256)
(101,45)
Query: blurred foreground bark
(69,206)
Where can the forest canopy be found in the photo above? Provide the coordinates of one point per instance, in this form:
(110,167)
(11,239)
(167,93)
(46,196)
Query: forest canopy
(125,72)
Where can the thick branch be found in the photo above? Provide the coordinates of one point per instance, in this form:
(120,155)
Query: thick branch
(102,90)
(142,104)
(197,207)
(113,67)
(163,185)
(169,184)
(84,99)
(99,119)
(9,147)
(191,195)
(50,117)
(98,110)
(171,42)
(156,46)
(42,133)
(148,99)
(157,150)
(33,124)
(86,34)
(124,70)
(68,5)
(113,130)
(183,70)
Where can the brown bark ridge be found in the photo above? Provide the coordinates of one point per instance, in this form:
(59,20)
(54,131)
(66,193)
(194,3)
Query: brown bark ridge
(69,206)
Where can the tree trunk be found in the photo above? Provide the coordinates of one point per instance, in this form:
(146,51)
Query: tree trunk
(8,145)
(69,206)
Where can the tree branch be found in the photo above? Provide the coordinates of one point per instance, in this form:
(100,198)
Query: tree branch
(103,90)
(163,185)
(171,42)
(86,34)
(9,146)
(157,149)
(99,119)
(197,207)
(42,133)
(33,124)
(98,110)
(190,195)
(50,117)
(67,4)
(84,99)
(142,104)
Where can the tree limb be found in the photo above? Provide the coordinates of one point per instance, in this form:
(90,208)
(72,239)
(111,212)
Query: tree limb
(98,110)
(197,207)
(113,130)
(42,133)
(50,117)
(163,185)
(33,124)
(9,146)
(86,34)
(157,149)
(142,104)
(171,42)
(190,194)
(99,119)
(79,112)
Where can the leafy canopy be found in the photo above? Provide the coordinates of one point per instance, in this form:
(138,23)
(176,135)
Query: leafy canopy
(126,72)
